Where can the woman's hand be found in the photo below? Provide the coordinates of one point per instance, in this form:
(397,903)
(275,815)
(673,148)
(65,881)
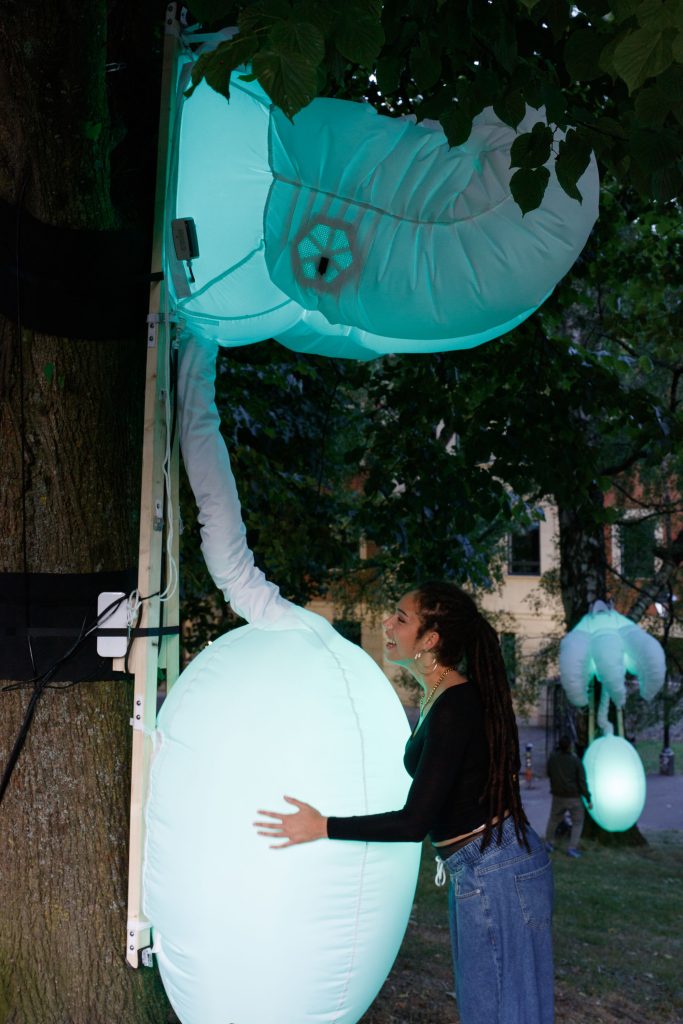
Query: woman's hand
(302,826)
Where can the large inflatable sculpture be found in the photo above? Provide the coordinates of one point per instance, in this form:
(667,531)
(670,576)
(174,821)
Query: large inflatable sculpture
(342,233)
(605,646)
(348,233)
(283,705)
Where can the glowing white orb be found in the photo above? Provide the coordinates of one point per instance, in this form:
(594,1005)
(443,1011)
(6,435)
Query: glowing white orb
(250,934)
(616,780)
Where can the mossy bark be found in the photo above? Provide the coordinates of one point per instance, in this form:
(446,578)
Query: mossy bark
(70,438)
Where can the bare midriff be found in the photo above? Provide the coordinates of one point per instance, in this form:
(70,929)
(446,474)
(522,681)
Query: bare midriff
(467,835)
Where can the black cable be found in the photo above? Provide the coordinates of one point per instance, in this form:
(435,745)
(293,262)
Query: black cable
(42,682)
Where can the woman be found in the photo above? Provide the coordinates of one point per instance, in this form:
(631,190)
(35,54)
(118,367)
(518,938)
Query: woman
(463,756)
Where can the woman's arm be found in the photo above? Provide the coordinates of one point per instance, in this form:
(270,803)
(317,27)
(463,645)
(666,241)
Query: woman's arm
(437,769)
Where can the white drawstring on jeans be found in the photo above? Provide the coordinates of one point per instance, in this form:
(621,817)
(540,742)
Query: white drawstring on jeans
(440,877)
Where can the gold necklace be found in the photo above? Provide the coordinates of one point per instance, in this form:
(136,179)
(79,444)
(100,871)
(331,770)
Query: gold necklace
(424,702)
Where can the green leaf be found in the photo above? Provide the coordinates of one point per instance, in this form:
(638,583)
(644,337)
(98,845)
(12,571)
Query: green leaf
(457,124)
(532,149)
(486,87)
(582,54)
(320,15)
(528,187)
(358,37)
(670,83)
(298,37)
(572,160)
(49,372)
(653,150)
(658,15)
(557,14)
(511,108)
(651,107)
(643,54)
(645,364)
(677,47)
(555,103)
(217,65)
(426,68)
(388,71)
(289,79)
(495,27)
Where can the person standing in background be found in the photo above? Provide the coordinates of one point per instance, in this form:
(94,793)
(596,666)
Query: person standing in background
(567,785)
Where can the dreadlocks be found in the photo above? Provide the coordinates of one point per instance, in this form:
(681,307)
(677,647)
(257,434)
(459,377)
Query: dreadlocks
(466,639)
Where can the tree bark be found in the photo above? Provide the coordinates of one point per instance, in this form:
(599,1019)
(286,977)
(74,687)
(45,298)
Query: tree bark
(583,566)
(70,436)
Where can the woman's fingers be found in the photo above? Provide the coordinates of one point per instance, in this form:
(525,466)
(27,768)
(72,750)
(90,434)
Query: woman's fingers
(301,826)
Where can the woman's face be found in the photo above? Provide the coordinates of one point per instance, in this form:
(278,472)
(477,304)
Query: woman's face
(402,630)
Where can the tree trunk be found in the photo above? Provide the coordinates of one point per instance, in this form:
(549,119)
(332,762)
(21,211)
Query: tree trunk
(70,436)
(583,567)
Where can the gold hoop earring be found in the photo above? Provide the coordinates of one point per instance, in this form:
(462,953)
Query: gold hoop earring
(424,668)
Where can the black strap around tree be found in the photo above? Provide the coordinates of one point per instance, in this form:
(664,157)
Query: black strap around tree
(39,611)
(48,587)
(72,283)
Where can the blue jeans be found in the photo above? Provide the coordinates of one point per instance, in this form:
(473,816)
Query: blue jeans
(500,909)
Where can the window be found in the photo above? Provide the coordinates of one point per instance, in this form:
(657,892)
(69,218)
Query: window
(508,646)
(637,548)
(524,557)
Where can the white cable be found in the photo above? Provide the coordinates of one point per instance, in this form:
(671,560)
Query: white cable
(171,567)
(133,607)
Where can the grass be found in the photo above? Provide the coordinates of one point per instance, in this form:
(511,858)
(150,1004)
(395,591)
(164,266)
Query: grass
(650,750)
(618,941)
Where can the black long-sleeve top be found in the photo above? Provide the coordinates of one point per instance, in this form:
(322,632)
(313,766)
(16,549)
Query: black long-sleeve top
(447,758)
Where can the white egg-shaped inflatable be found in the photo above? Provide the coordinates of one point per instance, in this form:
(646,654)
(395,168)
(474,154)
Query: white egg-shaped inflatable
(249,934)
(616,780)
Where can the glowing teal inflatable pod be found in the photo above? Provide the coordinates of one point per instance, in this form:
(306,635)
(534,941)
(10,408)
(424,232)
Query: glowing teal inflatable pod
(606,645)
(284,705)
(616,780)
(347,233)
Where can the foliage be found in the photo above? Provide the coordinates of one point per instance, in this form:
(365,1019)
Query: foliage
(288,422)
(608,73)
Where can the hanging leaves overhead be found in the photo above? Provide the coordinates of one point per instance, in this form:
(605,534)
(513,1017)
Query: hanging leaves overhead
(611,70)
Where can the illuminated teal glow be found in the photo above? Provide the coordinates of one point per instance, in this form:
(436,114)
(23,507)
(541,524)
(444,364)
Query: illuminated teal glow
(616,780)
(324,241)
(606,645)
(426,250)
(249,934)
